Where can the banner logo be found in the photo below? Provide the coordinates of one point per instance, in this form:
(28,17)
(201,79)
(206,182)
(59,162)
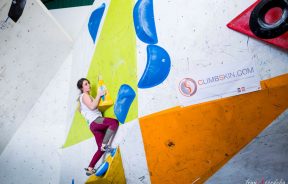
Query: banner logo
(187,87)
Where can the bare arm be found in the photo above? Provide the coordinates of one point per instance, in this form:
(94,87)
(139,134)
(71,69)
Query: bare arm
(90,102)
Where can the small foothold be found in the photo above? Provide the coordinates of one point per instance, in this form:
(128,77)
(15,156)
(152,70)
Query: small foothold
(170,144)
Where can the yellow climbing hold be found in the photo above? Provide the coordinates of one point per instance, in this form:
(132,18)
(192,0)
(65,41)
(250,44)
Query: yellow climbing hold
(106,100)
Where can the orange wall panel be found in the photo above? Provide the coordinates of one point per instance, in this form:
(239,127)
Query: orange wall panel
(189,144)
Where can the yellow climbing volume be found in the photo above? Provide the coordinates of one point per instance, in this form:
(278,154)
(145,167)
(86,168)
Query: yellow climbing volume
(106,99)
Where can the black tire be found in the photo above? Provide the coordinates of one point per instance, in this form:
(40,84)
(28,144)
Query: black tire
(264,30)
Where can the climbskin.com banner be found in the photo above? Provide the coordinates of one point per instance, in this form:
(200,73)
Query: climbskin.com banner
(212,83)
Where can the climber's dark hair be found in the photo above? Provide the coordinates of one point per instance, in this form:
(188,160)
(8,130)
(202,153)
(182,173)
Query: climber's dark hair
(80,83)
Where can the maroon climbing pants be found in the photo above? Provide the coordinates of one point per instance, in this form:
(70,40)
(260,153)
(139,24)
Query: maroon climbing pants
(99,130)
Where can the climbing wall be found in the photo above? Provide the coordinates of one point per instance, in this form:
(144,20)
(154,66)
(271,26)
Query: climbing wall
(171,43)
(190,92)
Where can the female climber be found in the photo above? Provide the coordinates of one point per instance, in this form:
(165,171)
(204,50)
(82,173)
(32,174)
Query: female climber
(103,128)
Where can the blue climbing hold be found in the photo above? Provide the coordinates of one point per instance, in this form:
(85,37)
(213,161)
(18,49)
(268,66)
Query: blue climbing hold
(157,67)
(144,23)
(94,21)
(102,169)
(113,151)
(124,100)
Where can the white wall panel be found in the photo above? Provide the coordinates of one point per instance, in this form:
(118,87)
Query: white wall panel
(31,52)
